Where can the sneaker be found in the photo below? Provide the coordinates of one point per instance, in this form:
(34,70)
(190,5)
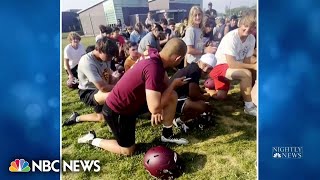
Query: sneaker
(71,120)
(180,124)
(251,111)
(87,138)
(173,139)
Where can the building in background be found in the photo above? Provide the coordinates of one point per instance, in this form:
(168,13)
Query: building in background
(107,12)
(70,21)
(176,9)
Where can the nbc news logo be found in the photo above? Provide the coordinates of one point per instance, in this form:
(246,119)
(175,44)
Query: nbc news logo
(21,165)
(287,152)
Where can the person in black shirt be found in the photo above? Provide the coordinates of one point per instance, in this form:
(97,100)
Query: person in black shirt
(192,102)
(211,13)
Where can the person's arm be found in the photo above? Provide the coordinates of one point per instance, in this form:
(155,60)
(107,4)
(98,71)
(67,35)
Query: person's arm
(169,90)
(233,64)
(154,97)
(226,30)
(103,86)
(93,76)
(154,106)
(66,65)
(195,92)
(165,40)
(250,60)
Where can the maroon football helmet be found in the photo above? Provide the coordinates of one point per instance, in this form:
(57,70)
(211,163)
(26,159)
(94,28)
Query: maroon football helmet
(73,84)
(162,162)
(209,83)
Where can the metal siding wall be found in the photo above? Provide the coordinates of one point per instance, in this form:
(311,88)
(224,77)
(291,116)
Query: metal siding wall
(127,11)
(125,8)
(92,18)
(158,5)
(110,14)
(182,6)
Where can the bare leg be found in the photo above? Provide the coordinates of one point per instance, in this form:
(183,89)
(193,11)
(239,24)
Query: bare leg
(101,97)
(170,109)
(113,146)
(245,78)
(93,117)
(254,94)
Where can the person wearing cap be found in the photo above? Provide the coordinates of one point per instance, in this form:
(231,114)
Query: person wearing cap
(232,25)
(192,102)
(234,62)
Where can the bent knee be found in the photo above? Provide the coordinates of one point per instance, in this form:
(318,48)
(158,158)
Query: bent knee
(100,117)
(246,73)
(127,151)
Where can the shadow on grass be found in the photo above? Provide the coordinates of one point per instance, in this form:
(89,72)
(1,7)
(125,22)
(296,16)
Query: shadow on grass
(192,162)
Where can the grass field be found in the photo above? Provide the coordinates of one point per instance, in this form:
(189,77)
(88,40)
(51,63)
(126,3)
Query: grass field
(225,151)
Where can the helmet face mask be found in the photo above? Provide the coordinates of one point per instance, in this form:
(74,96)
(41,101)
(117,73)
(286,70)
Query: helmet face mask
(161,162)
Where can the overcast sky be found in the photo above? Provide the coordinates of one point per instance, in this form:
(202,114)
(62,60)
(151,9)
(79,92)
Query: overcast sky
(219,5)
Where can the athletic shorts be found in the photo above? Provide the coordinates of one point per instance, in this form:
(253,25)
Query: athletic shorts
(123,127)
(87,96)
(218,74)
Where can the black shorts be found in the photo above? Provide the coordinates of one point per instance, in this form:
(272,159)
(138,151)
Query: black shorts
(74,71)
(87,96)
(123,127)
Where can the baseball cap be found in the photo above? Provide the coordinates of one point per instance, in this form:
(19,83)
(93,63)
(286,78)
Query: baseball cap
(209,59)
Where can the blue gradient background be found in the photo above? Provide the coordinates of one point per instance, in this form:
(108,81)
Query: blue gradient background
(30,80)
(289,68)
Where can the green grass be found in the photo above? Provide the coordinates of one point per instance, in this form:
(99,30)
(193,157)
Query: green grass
(225,151)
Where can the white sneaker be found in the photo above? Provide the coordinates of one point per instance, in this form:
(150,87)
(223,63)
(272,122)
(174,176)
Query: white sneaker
(172,139)
(87,138)
(251,111)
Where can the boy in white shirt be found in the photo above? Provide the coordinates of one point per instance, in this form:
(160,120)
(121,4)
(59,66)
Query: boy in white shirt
(72,54)
(234,62)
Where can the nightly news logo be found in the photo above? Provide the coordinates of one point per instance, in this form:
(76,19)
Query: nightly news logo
(287,152)
(20,165)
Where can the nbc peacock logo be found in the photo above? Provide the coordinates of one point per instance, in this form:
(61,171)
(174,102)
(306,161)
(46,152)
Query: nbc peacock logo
(19,165)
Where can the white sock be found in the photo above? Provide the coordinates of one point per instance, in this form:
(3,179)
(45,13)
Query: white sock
(96,142)
(77,119)
(167,126)
(248,104)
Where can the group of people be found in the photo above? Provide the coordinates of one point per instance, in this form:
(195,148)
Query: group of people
(123,76)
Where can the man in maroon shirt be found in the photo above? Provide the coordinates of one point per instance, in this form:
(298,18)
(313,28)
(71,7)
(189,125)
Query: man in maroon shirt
(143,87)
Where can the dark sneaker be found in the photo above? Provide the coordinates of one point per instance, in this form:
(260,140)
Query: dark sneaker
(71,120)
(87,138)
